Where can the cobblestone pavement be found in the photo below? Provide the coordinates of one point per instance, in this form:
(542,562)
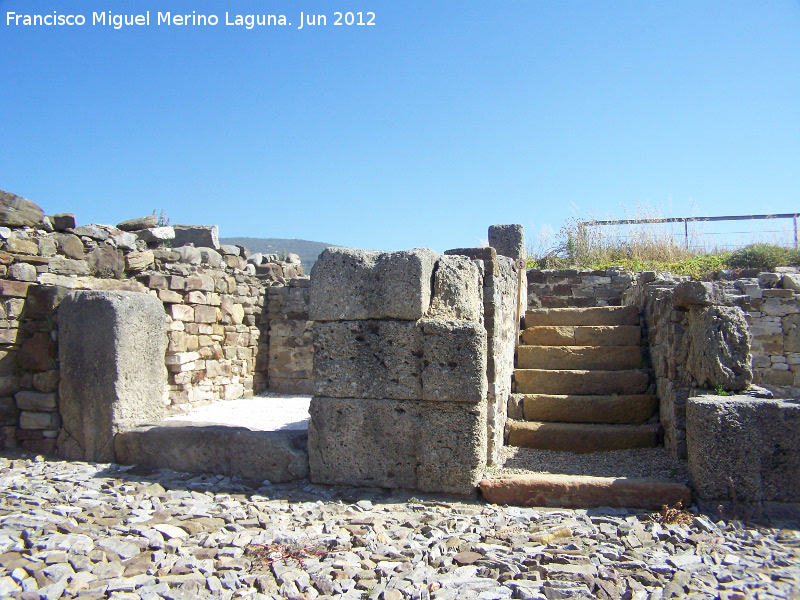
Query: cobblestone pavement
(104,531)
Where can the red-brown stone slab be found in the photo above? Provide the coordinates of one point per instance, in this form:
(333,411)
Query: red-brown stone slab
(578,491)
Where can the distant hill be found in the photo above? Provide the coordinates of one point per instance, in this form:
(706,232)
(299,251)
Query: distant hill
(306,250)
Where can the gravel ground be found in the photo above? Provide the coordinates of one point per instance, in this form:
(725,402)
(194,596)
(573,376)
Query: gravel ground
(95,531)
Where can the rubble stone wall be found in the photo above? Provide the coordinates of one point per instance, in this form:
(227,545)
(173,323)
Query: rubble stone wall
(562,288)
(213,295)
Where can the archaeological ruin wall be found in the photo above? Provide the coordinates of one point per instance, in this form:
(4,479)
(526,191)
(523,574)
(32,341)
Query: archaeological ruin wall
(214,296)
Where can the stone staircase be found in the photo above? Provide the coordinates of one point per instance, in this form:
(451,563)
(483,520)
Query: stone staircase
(580,388)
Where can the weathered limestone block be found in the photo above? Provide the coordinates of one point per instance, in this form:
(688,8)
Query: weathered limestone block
(696,293)
(745,446)
(453,360)
(403,360)
(427,446)
(199,236)
(352,284)
(457,290)
(111,350)
(368,359)
(717,348)
(508,240)
(279,456)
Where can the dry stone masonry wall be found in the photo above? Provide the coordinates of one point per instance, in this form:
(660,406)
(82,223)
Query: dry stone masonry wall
(213,295)
(562,288)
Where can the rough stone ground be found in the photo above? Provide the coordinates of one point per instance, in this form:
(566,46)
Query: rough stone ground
(104,531)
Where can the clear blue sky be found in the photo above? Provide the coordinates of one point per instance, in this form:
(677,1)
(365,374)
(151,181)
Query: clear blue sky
(441,119)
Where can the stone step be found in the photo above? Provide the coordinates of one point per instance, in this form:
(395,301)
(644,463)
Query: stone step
(569,335)
(596,315)
(580,382)
(604,358)
(581,437)
(580,491)
(589,409)
(279,456)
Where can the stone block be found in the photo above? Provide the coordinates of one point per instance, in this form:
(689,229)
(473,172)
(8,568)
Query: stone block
(278,456)
(696,293)
(508,240)
(402,360)
(38,353)
(156,234)
(791,332)
(105,262)
(171,297)
(43,300)
(349,284)
(487,254)
(14,289)
(139,261)
(457,290)
(69,245)
(745,446)
(64,221)
(138,223)
(717,348)
(68,266)
(37,401)
(426,446)
(111,352)
(22,272)
(92,231)
(124,241)
(16,211)
(182,312)
(199,236)
(205,314)
(39,420)
(210,257)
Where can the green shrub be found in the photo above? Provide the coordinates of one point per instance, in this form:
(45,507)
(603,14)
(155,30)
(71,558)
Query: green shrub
(759,256)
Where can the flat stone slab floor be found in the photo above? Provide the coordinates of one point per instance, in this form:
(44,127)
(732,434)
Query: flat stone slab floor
(267,412)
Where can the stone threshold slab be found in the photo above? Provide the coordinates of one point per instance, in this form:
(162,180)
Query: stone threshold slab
(580,491)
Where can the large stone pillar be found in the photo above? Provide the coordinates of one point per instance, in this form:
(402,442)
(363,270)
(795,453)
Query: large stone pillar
(399,371)
(111,353)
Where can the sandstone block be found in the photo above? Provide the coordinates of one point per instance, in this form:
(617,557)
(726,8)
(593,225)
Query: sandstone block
(603,358)
(582,437)
(402,360)
(508,240)
(182,312)
(427,446)
(745,446)
(138,223)
(457,290)
(16,211)
(111,351)
(14,289)
(567,335)
(349,284)
(592,316)
(580,491)
(205,314)
(580,382)
(200,236)
(589,409)
(171,297)
(138,261)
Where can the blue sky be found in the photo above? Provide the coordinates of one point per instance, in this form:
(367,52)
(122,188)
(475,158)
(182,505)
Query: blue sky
(441,119)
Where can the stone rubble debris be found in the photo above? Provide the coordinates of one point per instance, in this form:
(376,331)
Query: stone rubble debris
(81,530)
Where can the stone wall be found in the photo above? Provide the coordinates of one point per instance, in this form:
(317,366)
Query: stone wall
(500,289)
(561,288)
(399,370)
(290,345)
(214,297)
